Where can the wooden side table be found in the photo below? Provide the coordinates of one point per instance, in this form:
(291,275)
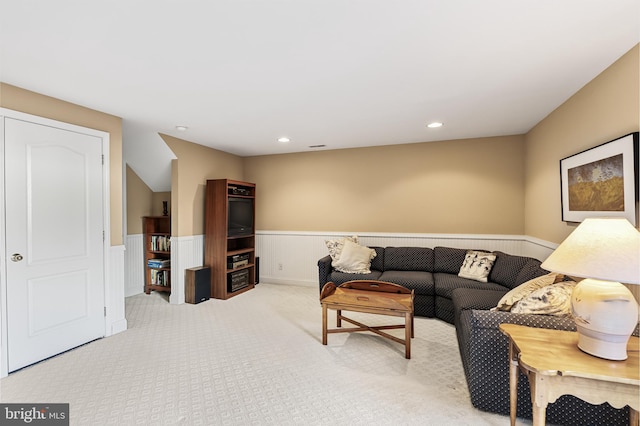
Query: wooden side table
(555,366)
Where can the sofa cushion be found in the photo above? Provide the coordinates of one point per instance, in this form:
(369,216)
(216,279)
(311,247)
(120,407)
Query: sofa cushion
(446,283)
(338,277)
(530,271)
(335,247)
(506,269)
(554,299)
(525,289)
(449,260)
(355,259)
(420,281)
(408,259)
(377,264)
(477,265)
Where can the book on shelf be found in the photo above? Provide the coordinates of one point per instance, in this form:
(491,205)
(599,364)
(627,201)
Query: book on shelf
(160,243)
(159,277)
(159,263)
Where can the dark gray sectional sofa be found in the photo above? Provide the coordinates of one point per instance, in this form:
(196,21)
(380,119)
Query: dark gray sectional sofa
(440,293)
(433,274)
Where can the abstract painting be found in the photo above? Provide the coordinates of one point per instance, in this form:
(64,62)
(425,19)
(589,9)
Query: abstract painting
(601,181)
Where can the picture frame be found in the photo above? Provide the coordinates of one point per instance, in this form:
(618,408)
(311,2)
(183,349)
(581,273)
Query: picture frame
(601,181)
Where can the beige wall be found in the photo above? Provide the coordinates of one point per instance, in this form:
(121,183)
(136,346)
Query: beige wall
(189,172)
(501,185)
(18,99)
(464,186)
(606,108)
(140,202)
(158,199)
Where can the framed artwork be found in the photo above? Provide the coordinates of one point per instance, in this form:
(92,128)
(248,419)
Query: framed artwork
(601,181)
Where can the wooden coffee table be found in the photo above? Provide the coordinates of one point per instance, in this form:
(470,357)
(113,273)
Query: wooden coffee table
(371,297)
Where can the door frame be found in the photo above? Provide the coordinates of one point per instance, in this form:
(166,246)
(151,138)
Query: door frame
(106,214)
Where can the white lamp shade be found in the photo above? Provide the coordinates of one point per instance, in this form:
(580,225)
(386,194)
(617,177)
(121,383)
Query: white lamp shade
(601,248)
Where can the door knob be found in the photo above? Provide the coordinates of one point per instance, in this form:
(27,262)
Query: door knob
(17,257)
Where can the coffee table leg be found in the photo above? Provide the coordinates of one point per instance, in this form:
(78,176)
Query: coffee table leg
(408,333)
(338,318)
(412,325)
(324,324)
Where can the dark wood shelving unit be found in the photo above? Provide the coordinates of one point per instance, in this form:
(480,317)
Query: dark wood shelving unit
(220,247)
(157,245)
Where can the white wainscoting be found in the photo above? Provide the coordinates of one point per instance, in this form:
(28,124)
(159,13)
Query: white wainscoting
(134,265)
(114,294)
(186,252)
(292,257)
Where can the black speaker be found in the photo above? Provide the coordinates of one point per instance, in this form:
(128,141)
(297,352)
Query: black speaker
(257,270)
(197,284)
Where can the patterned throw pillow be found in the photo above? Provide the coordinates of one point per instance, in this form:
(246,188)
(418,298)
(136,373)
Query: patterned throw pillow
(335,247)
(477,265)
(525,289)
(554,299)
(355,259)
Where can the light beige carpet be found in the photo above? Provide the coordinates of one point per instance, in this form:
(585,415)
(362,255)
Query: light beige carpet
(256,359)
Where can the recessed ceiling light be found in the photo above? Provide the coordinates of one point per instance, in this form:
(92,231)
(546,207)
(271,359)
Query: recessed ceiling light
(284,139)
(181,128)
(434,125)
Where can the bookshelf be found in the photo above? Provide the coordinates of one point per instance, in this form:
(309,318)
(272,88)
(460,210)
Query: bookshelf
(230,236)
(157,253)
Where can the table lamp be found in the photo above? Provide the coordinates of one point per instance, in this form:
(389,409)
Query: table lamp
(606,252)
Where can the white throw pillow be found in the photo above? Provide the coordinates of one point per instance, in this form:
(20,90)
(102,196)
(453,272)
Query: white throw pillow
(335,247)
(523,290)
(355,259)
(554,299)
(477,265)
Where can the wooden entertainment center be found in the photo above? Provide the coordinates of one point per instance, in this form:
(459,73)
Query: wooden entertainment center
(229,246)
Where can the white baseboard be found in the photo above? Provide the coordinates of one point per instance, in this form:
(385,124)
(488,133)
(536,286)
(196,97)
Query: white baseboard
(118,326)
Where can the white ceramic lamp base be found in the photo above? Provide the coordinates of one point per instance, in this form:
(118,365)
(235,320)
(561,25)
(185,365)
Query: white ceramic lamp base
(606,313)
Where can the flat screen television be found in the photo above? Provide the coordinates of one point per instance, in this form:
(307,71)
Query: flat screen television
(239,216)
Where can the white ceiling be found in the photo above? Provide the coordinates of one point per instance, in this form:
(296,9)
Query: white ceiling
(340,73)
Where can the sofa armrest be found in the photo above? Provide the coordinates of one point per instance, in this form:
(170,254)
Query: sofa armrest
(478,333)
(324,270)
(492,320)
(465,299)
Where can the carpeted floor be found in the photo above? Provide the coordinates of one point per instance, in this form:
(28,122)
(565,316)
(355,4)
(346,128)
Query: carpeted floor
(256,359)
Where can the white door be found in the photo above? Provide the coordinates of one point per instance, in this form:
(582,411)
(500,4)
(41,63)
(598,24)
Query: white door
(54,240)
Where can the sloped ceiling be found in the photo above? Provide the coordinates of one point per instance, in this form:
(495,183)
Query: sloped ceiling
(336,73)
